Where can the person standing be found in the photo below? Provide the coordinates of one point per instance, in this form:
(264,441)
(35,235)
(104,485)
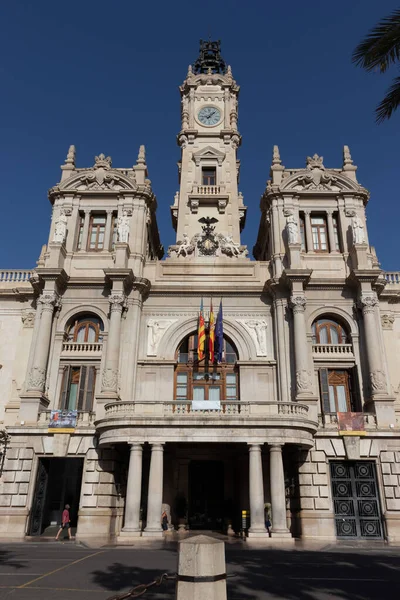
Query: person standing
(65,522)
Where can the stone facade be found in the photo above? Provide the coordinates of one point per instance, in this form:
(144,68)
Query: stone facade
(306,428)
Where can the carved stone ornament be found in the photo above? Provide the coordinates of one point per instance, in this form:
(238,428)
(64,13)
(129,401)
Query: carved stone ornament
(117,301)
(123,227)
(183,247)
(358,230)
(368,302)
(378,381)
(49,300)
(298,303)
(316,179)
(60,228)
(37,379)
(387,321)
(258,332)
(303,378)
(292,229)
(231,248)
(28,320)
(157,329)
(109,379)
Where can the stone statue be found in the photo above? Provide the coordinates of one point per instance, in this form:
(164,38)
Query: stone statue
(292,230)
(60,228)
(123,228)
(184,247)
(231,248)
(259,329)
(358,230)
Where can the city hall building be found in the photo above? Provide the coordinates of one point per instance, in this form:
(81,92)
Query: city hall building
(105,403)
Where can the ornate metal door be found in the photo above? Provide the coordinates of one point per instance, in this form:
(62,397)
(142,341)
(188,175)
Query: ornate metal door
(356,500)
(39,499)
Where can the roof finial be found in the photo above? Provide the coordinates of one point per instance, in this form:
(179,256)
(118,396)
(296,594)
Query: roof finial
(346,156)
(70,160)
(141,159)
(190,72)
(276,157)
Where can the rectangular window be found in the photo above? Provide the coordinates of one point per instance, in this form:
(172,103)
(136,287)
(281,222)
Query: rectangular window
(97,230)
(77,390)
(335,390)
(319,234)
(302,234)
(80,232)
(181,386)
(231,388)
(209,176)
(336,233)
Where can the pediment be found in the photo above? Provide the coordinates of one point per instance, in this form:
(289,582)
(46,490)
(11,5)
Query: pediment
(318,180)
(99,179)
(208,152)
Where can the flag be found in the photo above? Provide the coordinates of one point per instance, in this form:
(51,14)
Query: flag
(211,336)
(201,336)
(219,333)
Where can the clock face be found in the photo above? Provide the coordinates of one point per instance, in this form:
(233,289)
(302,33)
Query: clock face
(209,115)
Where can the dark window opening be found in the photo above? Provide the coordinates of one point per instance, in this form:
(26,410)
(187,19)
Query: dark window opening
(209,176)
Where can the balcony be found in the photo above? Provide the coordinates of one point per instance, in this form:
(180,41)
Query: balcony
(330,422)
(208,195)
(84,419)
(333,351)
(82,349)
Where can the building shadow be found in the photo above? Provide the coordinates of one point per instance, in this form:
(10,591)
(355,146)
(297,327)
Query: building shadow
(7,559)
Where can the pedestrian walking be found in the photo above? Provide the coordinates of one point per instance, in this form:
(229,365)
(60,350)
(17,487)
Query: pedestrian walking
(164,521)
(65,522)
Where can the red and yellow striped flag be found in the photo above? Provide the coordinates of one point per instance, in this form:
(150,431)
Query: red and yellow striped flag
(201,335)
(211,338)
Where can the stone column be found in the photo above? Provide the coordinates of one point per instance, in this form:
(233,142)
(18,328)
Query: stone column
(191,108)
(276,242)
(377,376)
(110,373)
(279,309)
(256,493)
(37,375)
(303,372)
(331,233)
(85,232)
(155,494)
(277,485)
(133,490)
(107,233)
(309,238)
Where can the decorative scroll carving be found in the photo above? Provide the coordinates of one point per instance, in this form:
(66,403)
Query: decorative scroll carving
(109,379)
(316,179)
(157,328)
(378,381)
(303,381)
(37,378)
(298,304)
(258,331)
(387,321)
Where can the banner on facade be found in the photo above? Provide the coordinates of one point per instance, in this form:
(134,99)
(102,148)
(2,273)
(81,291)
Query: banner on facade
(351,423)
(206,405)
(63,421)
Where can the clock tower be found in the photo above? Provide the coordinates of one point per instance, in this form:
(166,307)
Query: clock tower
(208,202)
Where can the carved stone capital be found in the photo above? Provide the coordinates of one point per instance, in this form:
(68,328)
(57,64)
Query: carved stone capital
(298,304)
(117,301)
(49,301)
(367,303)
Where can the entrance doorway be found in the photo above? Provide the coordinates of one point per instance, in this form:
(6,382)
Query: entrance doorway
(356,500)
(206,495)
(58,482)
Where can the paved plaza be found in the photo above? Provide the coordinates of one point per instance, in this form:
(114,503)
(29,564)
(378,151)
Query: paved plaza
(45,571)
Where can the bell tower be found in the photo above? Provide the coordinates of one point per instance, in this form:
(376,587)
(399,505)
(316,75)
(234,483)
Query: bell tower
(208,201)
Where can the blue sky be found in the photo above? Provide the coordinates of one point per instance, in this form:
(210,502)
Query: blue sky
(104,76)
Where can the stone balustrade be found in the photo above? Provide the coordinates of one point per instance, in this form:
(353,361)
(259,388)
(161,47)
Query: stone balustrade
(184,409)
(208,190)
(84,418)
(330,421)
(333,350)
(15,275)
(82,347)
(392,277)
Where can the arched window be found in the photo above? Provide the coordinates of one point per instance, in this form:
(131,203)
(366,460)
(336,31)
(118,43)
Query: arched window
(203,380)
(85,329)
(327,331)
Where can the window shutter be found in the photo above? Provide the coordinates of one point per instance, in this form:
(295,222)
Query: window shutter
(324,389)
(355,396)
(64,388)
(91,378)
(82,385)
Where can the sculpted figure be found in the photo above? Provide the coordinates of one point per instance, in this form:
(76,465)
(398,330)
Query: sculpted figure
(292,230)
(358,230)
(260,331)
(123,228)
(184,246)
(228,246)
(60,229)
(156,331)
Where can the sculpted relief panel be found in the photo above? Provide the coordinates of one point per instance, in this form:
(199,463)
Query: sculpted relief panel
(156,330)
(257,328)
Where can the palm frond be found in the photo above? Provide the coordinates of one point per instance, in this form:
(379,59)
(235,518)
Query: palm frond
(381,47)
(390,102)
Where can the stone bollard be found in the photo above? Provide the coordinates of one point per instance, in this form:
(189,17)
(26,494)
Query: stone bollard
(201,569)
